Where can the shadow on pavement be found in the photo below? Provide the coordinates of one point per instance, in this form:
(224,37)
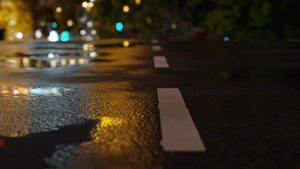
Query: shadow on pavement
(29,151)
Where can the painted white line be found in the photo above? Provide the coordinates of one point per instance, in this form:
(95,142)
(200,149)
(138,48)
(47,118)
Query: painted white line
(155,41)
(156,48)
(160,62)
(179,132)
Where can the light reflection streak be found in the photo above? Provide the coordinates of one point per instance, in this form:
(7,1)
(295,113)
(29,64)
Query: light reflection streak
(29,91)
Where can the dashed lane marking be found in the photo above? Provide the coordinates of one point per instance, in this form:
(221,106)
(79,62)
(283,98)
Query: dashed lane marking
(160,62)
(156,47)
(179,132)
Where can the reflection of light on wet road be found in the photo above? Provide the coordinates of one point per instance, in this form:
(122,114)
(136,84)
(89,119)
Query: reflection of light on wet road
(29,91)
(72,61)
(127,129)
(63,62)
(81,61)
(53,64)
(109,121)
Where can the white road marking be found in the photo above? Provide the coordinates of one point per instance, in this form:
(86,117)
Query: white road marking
(155,41)
(156,47)
(160,62)
(179,132)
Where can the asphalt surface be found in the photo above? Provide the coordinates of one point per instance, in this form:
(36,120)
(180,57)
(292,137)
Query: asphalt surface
(102,111)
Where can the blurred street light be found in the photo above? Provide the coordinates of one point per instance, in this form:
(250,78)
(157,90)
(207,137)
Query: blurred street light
(70,23)
(125,43)
(58,9)
(38,34)
(126,8)
(93,32)
(149,20)
(82,32)
(137,2)
(173,26)
(90,24)
(90,4)
(84,4)
(19,35)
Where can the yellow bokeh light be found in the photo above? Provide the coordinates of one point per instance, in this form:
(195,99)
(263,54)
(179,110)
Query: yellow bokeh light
(5,91)
(149,20)
(81,61)
(126,8)
(126,43)
(91,47)
(58,9)
(63,62)
(70,23)
(53,64)
(137,2)
(25,91)
(72,61)
(26,60)
(90,4)
(85,47)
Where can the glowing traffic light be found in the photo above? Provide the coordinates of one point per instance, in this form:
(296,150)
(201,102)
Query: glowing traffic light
(65,36)
(119,26)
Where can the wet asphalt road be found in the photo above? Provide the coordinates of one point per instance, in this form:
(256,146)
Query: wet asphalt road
(48,123)
(102,111)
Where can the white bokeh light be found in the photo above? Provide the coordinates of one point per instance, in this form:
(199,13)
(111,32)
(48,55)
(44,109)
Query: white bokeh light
(82,32)
(19,35)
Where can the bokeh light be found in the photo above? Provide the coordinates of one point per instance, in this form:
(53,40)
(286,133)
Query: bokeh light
(126,8)
(125,43)
(119,26)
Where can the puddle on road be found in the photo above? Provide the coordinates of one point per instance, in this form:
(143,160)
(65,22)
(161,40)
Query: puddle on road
(13,91)
(28,148)
(35,63)
(64,54)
